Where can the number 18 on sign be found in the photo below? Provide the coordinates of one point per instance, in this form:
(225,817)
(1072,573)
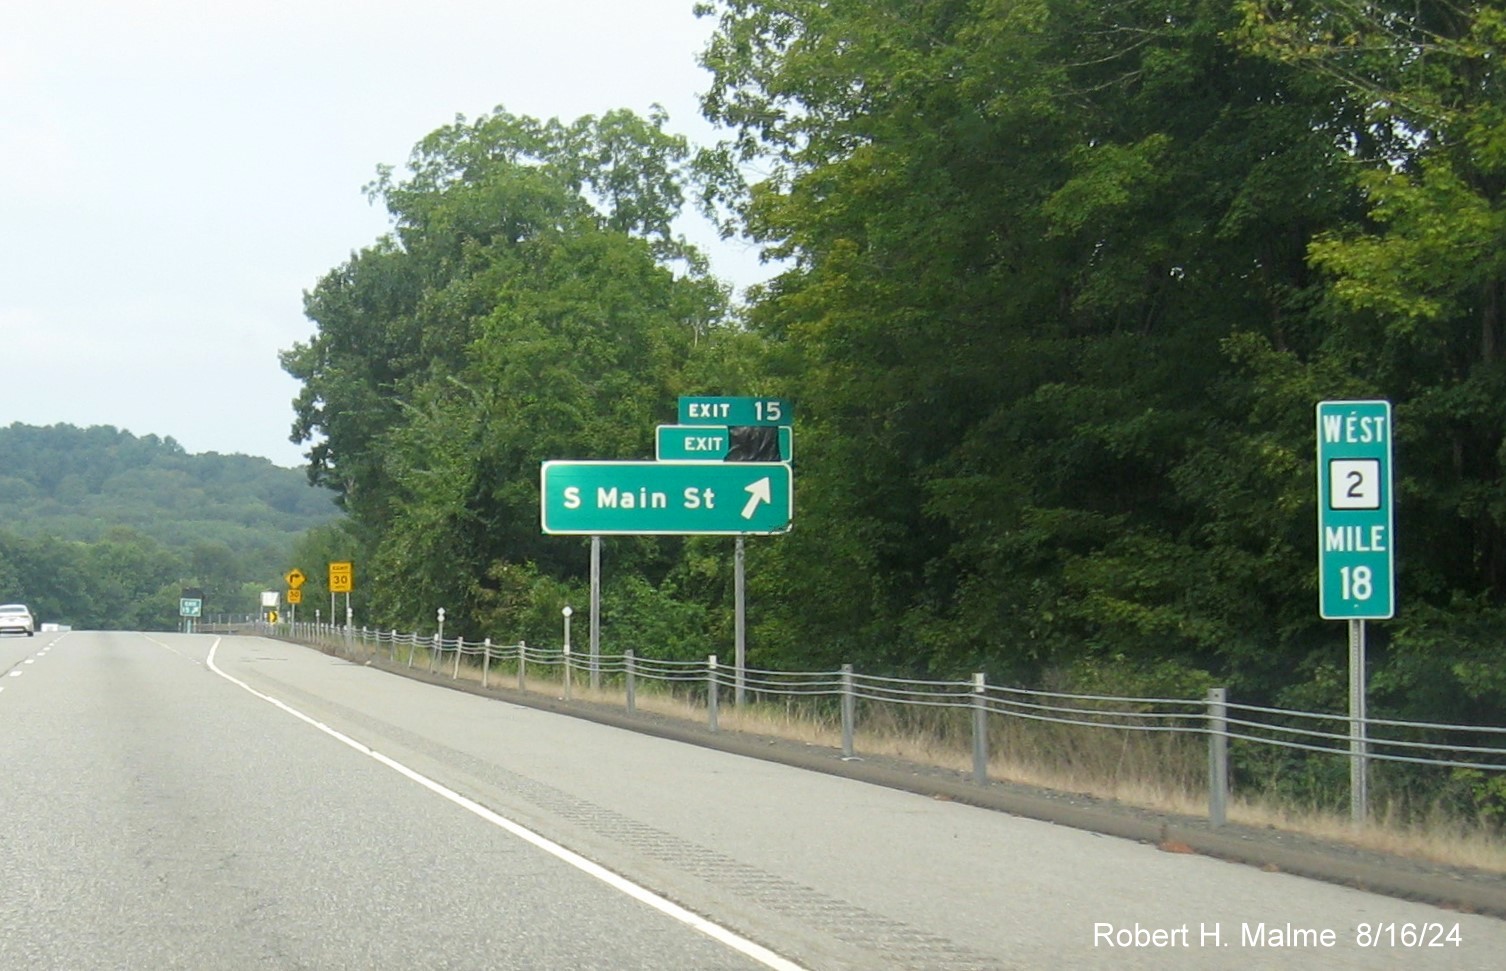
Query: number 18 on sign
(1355,576)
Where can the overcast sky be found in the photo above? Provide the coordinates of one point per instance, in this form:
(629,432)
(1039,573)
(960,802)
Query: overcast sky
(175,173)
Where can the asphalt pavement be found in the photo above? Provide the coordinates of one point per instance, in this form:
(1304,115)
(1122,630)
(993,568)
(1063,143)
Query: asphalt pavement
(205,802)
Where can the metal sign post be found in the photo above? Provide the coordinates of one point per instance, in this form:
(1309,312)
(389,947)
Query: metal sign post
(595,612)
(724,469)
(740,615)
(735,428)
(1359,742)
(1356,574)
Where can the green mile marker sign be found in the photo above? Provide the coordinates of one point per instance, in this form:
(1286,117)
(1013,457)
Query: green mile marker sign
(1356,578)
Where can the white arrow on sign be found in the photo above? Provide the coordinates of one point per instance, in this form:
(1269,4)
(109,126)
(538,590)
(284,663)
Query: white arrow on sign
(758,492)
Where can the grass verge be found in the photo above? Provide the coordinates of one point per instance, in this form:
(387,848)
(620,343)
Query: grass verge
(1160,771)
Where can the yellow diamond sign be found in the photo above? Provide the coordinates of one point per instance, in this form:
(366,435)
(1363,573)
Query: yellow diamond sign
(295,578)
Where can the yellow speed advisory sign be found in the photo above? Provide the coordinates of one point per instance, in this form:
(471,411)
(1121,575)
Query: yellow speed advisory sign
(341,577)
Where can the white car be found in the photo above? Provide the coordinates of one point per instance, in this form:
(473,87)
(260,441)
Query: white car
(17,619)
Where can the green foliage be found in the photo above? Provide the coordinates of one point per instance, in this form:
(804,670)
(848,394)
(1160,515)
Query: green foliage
(654,622)
(79,483)
(525,604)
(1063,282)
(314,551)
(533,303)
(1487,795)
(1022,242)
(1118,674)
(101,529)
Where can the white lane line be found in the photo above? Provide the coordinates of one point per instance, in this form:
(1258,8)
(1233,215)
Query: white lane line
(169,647)
(617,882)
(17,674)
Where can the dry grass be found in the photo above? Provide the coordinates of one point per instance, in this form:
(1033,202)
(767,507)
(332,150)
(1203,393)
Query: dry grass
(1160,771)
(1434,836)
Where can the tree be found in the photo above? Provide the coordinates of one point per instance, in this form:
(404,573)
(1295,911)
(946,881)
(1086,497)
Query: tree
(1022,233)
(527,307)
(1416,305)
(214,521)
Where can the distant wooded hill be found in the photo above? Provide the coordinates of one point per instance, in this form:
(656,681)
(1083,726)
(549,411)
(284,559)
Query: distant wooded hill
(99,527)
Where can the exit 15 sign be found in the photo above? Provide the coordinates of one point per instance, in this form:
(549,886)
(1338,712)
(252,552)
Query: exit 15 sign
(1356,575)
(736,411)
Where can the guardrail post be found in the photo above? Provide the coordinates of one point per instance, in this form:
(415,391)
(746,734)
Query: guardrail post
(412,646)
(522,665)
(849,711)
(632,700)
(459,650)
(711,692)
(433,649)
(486,662)
(980,731)
(392,655)
(1218,756)
(567,670)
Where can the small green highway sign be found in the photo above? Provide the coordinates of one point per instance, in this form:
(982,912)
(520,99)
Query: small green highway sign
(1356,579)
(705,443)
(190,606)
(736,411)
(636,498)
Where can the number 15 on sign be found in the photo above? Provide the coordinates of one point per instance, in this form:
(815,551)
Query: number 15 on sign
(1356,580)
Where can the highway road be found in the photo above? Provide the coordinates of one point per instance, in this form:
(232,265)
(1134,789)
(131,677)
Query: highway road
(192,801)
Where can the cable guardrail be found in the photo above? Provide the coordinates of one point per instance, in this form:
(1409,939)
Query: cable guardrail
(1341,741)
(841,694)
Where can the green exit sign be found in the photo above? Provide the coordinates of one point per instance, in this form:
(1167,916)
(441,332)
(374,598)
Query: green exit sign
(736,411)
(1356,578)
(640,498)
(706,443)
